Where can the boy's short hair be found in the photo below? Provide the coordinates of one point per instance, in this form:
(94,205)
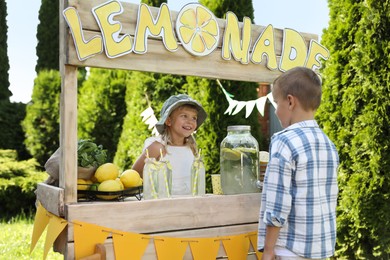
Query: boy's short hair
(302,83)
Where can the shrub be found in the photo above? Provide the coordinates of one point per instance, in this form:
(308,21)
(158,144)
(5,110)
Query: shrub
(18,181)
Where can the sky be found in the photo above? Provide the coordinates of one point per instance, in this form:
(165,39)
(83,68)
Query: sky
(307,16)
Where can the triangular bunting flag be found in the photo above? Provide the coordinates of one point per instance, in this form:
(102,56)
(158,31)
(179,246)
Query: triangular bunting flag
(253,239)
(236,247)
(239,107)
(86,236)
(232,105)
(129,245)
(169,248)
(204,248)
(260,104)
(40,222)
(55,227)
(249,107)
(271,99)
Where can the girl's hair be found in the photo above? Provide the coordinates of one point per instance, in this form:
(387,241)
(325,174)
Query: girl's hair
(189,141)
(302,83)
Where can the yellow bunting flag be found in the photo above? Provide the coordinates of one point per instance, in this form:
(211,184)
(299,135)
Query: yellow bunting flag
(40,222)
(169,248)
(129,245)
(204,248)
(55,227)
(86,236)
(236,247)
(253,239)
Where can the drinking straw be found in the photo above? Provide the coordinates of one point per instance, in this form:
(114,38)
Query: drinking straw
(165,176)
(166,182)
(242,168)
(154,193)
(197,165)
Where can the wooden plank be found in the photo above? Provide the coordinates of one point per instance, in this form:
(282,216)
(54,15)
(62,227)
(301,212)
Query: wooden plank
(167,214)
(150,252)
(51,198)
(68,133)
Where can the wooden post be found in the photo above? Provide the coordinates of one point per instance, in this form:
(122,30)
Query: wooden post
(68,118)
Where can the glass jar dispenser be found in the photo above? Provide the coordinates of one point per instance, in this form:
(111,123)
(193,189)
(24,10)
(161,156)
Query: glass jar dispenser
(239,161)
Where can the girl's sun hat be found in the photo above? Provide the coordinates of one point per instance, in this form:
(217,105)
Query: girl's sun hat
(175,101)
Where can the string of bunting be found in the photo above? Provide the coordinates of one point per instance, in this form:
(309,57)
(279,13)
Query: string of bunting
(236,106)
(129,245)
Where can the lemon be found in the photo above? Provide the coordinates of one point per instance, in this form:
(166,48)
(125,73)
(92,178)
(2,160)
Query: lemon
(130,178)
(120,183)
(109,186)
(230,154)
(197,29)
(107,171)
(83,184)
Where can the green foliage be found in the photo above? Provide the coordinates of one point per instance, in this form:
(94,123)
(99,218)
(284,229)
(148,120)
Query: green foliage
(356,115)
(144,90)
(240,8)
(18,180)
(156,3)
(48,36)
(41,124)
(102,108)
(11,132)
(90,154)
(5,93)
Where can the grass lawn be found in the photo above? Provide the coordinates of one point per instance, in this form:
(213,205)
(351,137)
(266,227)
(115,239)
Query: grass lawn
(15,240)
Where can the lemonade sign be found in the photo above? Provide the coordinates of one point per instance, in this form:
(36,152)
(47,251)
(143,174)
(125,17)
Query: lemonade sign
(198,32)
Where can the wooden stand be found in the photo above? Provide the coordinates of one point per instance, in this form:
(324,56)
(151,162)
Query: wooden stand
(208,216)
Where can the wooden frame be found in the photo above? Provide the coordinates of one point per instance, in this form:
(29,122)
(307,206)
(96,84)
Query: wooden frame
(211,215)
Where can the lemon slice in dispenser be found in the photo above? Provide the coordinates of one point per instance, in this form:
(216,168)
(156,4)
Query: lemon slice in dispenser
(230,154)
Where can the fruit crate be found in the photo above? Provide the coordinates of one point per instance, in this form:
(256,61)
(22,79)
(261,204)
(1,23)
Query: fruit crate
(94,195)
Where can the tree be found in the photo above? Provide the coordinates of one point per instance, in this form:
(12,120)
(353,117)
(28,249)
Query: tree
(41,124)
(102,108)
(5,93)
(356,115)
(48,36)
(11,132)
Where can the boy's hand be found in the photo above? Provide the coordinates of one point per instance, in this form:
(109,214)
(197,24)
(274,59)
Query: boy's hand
(268,255)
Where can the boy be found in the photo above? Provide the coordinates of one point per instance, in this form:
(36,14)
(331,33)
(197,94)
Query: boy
(298,206)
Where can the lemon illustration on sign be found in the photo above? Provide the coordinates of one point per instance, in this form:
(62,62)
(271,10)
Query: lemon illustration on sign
(197,29)
(109,186)
(130,178)
(107,171)
(230,154)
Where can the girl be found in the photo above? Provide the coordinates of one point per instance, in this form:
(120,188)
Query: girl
(180,116)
